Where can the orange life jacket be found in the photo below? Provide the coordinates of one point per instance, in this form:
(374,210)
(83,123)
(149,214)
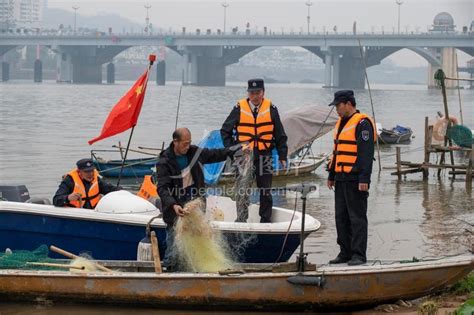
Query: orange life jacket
(93,195)
(257,131)
(147,189)
(345,143)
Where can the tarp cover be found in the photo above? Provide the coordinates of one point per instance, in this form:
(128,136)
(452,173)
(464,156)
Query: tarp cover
(212,171)
(306,124)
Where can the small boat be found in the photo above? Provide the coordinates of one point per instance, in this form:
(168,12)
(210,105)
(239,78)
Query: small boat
(296,167)
(250,287)
(132,168)
(396,135)
(113,230)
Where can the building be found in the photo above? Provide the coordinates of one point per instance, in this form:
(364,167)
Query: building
(21,14)
(443,22)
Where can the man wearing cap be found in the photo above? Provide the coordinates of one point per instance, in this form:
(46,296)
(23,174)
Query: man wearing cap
(82,187)
(255,120)
(349,175)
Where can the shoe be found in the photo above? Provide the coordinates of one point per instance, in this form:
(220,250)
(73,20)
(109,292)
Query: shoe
(356,262)
(339,260)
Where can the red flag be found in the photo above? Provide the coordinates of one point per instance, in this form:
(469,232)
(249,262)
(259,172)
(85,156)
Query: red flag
(125,113)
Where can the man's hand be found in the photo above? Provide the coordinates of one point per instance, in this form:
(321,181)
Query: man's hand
(363,187)
(74,197)
(180,211)
(330,184)
(283,163)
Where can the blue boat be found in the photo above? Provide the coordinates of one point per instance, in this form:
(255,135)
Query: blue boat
(132,167)
(114,234)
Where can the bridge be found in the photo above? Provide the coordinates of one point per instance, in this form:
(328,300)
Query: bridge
(205,56)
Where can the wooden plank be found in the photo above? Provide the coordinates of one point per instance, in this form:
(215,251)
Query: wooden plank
(438,166)
(155,251)
(407,171)
(399,165)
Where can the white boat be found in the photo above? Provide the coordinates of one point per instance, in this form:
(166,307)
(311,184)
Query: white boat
(114,229)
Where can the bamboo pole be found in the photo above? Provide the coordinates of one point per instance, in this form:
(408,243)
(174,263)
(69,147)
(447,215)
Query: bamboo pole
(72,256)
(426,159)
(55,265)
(371,104)
(459,90)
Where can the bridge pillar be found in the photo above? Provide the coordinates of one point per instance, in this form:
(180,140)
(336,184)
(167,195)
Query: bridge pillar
(86,70)
(336,70)
(110,73)
(447,57)
(211,71)
(328,70)
(194,68)
(5,71)
(185,68)
(63,67)
(38,71)
(203,66)
(161,73)
(351,69)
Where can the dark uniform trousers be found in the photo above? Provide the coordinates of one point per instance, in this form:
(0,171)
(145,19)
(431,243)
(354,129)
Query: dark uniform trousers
(351,219)
(263,171)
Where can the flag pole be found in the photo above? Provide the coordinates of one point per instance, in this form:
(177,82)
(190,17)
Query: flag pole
(151,59)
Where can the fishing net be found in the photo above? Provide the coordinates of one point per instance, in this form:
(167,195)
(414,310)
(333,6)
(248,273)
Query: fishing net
(200,248)
(38,260)
(244,169)
(19,259)
(461,135)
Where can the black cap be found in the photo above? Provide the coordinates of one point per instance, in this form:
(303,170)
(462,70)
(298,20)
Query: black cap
(255,85)
(343,96)
(85,165)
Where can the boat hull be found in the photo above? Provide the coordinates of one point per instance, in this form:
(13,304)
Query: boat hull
(388,137)
(116,236)
(307,166)
(328,288)
(132,167)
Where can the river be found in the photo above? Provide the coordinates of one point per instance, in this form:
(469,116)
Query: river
(44,129)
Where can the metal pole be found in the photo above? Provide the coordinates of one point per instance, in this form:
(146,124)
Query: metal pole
(147,19)
(309,4)
(399,3)
(75,17)
(225,5)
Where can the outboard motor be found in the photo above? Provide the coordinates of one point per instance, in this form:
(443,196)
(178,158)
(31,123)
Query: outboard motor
(14,193)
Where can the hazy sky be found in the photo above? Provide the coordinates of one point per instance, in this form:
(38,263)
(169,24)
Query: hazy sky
(289,15)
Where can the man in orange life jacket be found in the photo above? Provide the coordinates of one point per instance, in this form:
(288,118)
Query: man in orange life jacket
(255,120)
(349,172)
(82,187)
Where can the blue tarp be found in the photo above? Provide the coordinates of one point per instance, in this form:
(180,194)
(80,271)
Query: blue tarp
(213,171)
(401,129)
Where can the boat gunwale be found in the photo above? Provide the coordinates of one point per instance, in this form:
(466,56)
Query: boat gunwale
(450,262)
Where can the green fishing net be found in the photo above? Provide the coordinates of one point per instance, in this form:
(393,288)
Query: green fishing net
(18,259)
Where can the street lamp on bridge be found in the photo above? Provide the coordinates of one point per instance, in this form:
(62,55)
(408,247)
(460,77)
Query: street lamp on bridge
(75,17)
(309,4)
(225,5)
(147,19)
(399,3)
